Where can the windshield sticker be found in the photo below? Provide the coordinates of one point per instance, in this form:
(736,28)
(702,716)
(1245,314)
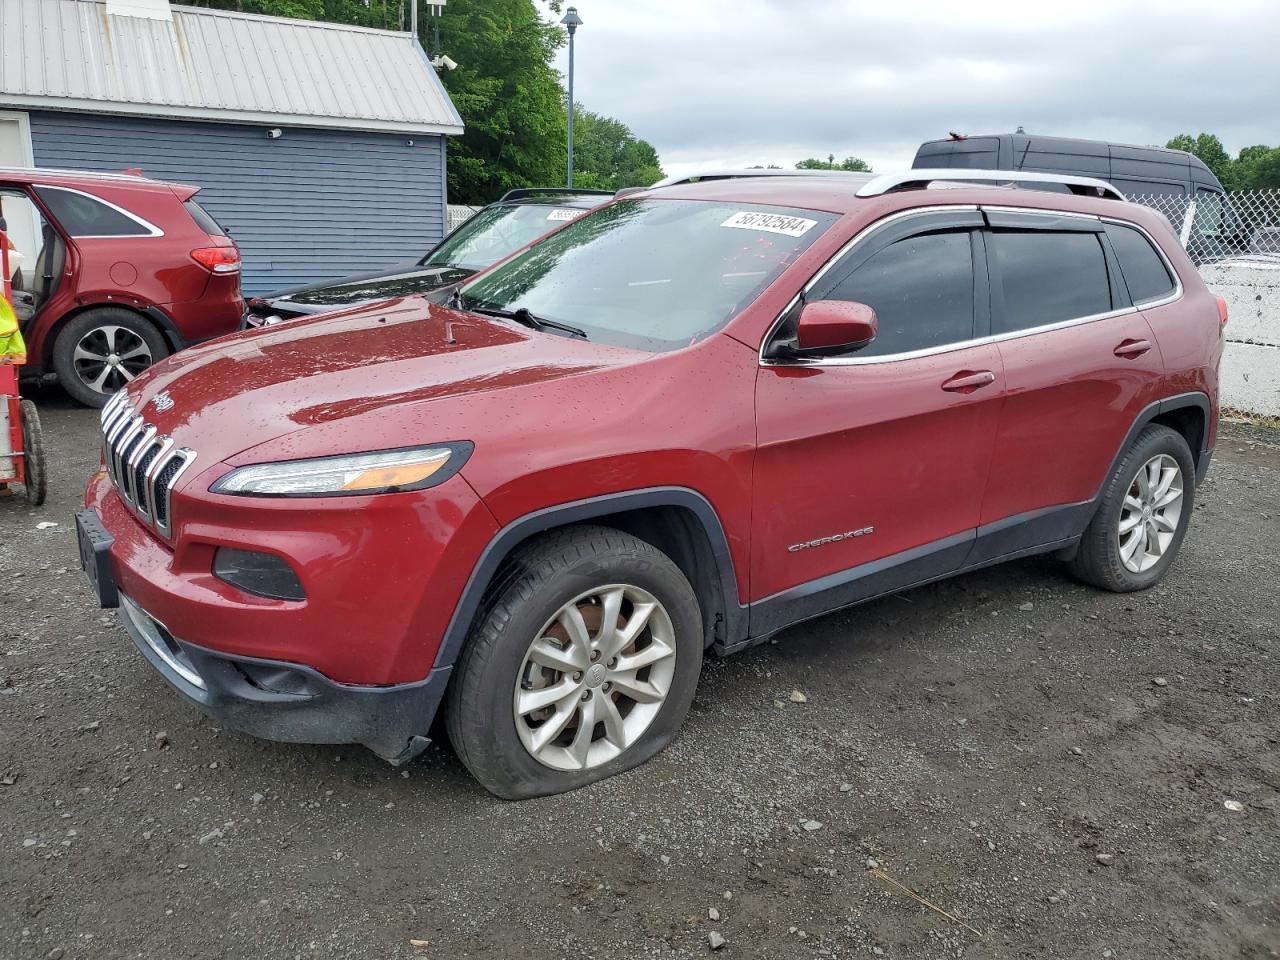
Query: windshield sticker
(564,213)
(770,223)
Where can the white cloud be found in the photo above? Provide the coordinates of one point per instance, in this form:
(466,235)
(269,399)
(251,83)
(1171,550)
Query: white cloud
(733,82)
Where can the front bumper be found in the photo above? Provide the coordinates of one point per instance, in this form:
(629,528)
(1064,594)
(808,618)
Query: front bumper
(287,701)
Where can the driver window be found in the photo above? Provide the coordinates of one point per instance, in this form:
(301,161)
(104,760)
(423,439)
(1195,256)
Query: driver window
(921,289)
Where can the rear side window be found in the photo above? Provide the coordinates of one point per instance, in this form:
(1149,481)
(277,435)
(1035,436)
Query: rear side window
(84,216)
(1048,278)
(921,289)
(204,220)
(1143,268)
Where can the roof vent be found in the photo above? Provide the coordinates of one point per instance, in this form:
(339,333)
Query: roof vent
(145,9)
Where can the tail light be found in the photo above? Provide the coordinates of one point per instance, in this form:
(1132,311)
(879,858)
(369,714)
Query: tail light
(1222,310)
(218,259)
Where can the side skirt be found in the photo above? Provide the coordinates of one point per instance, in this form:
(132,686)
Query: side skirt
(1025,535)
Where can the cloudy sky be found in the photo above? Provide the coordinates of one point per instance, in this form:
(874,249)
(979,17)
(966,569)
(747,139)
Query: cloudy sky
(737,82)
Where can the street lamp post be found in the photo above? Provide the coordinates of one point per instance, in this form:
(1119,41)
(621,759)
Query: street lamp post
(571,22)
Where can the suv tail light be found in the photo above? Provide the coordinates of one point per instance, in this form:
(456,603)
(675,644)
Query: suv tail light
(218,259)
(1222,310)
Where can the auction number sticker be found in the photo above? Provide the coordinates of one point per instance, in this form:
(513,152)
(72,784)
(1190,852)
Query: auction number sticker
(565,214)
(770,223)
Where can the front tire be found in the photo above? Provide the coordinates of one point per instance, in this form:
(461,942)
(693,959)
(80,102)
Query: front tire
(581,665)
(35,485)
(100,351)
(1143,515)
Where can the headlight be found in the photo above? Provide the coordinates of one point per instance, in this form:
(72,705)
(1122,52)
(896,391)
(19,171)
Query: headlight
(388,471)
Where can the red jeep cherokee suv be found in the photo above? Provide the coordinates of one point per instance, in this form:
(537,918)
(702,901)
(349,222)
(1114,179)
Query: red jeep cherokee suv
(113,272)
(685,421)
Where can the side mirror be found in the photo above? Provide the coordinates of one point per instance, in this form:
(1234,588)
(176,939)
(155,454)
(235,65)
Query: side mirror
(827,326)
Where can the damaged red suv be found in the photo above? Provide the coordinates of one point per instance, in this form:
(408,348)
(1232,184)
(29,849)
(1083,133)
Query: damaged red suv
(678,425)
(112,272)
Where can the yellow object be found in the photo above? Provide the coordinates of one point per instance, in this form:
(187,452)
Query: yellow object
(12,349)
(396,476)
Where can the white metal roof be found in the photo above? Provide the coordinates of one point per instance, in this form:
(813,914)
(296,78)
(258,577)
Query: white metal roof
(217,65)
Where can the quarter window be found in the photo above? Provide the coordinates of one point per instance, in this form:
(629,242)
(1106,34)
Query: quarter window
(1144,271)
(1048,278)
(83,216)
(921,289)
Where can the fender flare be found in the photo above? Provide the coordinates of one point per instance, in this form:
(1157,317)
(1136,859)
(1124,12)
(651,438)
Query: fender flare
(539,521)
(1181,401)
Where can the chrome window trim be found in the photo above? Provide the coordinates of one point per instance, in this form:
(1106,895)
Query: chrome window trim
(854,361)
(152,230)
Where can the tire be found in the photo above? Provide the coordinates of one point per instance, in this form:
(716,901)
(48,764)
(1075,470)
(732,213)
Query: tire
(580,568)
(1101,559)
(33,448)
(106,332)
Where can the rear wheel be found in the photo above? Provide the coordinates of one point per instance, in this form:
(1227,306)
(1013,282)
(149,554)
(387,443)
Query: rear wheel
(1143,516)
(33,454)
(582,665)
(98,352)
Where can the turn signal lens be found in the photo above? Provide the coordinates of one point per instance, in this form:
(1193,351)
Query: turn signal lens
(389,471)
(1222,310)
(218,259)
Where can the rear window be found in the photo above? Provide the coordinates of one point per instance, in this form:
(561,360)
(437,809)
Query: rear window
(204,220)
(1143,268)
(1048,278)
(84,216)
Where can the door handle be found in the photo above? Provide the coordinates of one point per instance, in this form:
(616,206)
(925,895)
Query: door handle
(1132,349)
(967,381)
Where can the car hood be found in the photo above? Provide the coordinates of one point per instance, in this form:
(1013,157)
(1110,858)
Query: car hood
(244,390)
(403,281)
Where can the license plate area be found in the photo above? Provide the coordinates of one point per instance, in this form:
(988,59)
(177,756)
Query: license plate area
(95,558)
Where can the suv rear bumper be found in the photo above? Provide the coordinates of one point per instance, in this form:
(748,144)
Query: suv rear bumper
(288,701)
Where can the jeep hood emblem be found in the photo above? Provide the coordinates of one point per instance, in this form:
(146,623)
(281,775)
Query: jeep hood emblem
(162,401)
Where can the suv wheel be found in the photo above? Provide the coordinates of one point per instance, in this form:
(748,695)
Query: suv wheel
(98,352)
(582,665)
(1143,516)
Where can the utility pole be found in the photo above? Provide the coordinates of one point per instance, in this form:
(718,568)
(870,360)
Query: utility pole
(572,22)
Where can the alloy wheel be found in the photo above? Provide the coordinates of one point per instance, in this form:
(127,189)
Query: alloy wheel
(108,357)
(1150,513)
(595,677)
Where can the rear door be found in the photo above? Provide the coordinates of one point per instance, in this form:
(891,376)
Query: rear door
(1080,364)
(870,467)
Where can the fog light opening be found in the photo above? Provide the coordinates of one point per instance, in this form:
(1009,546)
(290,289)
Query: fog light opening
(261,574)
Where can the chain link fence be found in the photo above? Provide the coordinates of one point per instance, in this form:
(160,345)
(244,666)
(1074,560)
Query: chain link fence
(1234,240)
(1213,227)
(458,214)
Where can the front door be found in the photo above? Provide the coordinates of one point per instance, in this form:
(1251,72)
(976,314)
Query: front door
(870,467)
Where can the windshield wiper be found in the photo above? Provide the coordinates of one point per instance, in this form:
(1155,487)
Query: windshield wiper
(522,315)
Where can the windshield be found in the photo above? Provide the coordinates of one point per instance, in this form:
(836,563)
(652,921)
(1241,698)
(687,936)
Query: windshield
(651,273)
(492,234)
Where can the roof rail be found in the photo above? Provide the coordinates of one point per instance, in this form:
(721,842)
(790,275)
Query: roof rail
(915,179)
(702,175)
(86,174)
(521,193)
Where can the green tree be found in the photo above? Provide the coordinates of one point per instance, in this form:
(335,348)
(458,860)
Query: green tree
(608,156)
(1257,168)
(1209,149)
(853,164)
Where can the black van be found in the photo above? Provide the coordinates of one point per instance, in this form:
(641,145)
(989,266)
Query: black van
(1138,172)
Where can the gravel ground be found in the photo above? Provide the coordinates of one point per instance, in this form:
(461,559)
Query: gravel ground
(1065,773)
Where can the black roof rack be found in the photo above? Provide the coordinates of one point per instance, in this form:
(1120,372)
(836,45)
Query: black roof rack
(523,193)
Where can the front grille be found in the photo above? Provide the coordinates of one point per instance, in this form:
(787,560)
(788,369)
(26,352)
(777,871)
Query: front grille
(143,464)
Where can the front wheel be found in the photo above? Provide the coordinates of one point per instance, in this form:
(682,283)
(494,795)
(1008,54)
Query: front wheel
(100,351)
(1143,515)
(582,665)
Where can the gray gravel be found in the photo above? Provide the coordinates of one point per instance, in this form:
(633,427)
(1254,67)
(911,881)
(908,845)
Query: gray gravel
(1068,773)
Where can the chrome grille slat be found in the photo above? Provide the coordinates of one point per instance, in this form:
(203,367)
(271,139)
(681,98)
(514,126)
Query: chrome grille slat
(143,465)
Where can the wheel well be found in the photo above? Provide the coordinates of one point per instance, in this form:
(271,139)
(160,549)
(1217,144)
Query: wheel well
(678,533)
(52,337)
(1188,421)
